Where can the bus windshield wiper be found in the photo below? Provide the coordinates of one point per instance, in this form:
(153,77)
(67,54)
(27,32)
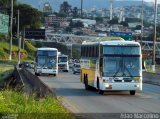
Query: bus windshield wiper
(127,71)
(120,67)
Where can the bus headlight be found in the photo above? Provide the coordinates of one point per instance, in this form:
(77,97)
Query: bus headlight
(107,86)
(136,86)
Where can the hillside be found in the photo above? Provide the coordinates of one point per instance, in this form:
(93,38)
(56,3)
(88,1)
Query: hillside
(87,4)
(25,54)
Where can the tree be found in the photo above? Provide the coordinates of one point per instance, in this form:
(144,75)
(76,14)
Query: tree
(125,24)
(65,8)
(99,19)
(138,27)
(5,6)
(113,21)
(76,24)
(132,20)
(78,33)
(29,17)
(75,12)
(6,3)
(68,30)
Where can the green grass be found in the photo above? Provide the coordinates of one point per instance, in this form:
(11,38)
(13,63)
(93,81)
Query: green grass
(5,70)
(26,107)
(30,49)
(150,71)
(5,46)
(4,49)
(21,104)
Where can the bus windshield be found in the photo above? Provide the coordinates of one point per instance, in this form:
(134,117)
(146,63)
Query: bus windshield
(121,62)
(62,59)
(118,50)
(46,58)
(46,53)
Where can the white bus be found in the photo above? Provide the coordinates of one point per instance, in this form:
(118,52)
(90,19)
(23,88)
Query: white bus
(46,61)
(63,64)
(112,65)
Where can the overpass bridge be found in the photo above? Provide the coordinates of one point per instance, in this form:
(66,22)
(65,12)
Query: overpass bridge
(78,39)
(69,38)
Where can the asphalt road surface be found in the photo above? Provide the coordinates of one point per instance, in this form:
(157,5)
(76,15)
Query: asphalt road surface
(71,92)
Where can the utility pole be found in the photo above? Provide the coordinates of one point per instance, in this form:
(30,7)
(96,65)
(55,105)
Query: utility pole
(71,50)
(81,8)
(142,17)
(23,38)
(19,40)
(111,9)
(11,23)
(155,37)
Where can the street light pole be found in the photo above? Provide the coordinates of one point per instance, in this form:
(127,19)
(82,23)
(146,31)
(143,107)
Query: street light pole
(11,23)
(142,17)
(155,36)
(19,41)
(81,8)
(71,50)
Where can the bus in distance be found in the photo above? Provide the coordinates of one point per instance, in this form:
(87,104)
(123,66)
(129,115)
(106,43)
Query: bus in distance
(46,61)
(111,65)
(63,64)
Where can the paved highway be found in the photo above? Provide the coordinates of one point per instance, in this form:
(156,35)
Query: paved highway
(71,91)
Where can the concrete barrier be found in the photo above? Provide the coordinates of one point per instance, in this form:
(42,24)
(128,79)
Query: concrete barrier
(38,87)
(13,80)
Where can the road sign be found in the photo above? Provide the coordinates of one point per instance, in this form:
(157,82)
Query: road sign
(35,33)
(4,23)
(124,35)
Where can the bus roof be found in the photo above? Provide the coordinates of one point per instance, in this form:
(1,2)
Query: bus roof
(62,55)
(112,41)
(47,49)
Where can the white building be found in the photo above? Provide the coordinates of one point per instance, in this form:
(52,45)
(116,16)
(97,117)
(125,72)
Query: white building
(86,22)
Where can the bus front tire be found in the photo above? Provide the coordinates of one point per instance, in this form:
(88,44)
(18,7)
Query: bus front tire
(36,74)
(132,92)
(87,87)
(86,84)
(100,91)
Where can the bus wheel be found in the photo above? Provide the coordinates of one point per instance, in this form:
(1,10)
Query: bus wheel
(100,91)
(132,92)
(54,74)
(86,83)
(36,74)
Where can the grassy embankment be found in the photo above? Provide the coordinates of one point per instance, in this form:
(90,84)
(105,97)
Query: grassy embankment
(5,70)
(27,54)
(26,106)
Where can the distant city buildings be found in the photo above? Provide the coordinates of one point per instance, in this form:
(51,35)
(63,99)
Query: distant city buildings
(124,19)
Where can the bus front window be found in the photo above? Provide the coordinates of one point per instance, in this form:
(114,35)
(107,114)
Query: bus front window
(121,67)
(62,59)
(121,61)
(46,59)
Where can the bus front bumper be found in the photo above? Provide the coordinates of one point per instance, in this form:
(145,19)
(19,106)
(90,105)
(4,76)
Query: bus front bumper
(46,71)
(121,86)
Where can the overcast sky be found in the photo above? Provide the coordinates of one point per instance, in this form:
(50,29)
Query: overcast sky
(152,0)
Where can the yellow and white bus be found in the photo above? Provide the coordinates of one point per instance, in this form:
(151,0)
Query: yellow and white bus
(112,64)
